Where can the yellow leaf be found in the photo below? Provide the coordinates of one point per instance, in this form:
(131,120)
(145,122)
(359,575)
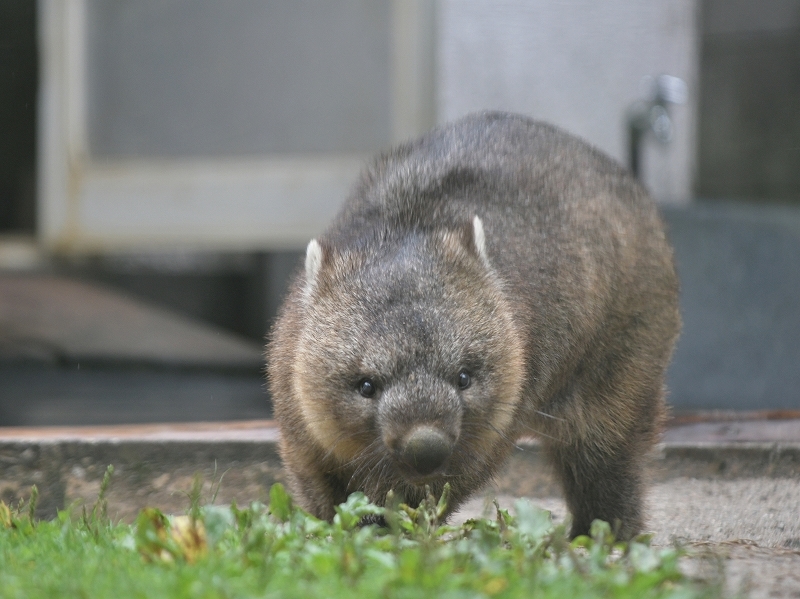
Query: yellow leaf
(5,516)
(495,585)
(189,535)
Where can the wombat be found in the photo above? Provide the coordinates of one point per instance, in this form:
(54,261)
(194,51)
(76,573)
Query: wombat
(495,279)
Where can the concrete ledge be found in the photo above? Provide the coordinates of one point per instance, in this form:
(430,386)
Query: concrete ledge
(54,320)
(147,473)
(527,473)
(728,460)
(212,432)
(155,464)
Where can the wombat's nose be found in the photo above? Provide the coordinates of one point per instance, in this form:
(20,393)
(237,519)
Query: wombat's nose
(426,449)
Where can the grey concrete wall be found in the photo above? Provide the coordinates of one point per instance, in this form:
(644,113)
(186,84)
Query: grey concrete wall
(577,63)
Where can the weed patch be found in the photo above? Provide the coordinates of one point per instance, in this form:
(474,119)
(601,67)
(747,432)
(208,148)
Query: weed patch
(366,551)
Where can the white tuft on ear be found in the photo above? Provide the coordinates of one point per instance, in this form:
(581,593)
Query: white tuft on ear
(480,240)
(313,263)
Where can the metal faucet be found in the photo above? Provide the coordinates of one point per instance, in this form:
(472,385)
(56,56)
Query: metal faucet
(653,115)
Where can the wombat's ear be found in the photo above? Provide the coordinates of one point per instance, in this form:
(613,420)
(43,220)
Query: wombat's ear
(314,258)
(479,239)
(469,237)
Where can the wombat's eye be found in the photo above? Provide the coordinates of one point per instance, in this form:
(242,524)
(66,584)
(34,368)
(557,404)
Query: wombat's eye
(464,380)
(367,388)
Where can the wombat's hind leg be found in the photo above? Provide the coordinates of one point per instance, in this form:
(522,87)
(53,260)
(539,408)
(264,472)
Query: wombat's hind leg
(600,484)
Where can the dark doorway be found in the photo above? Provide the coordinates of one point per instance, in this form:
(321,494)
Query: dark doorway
(749,136)
(18,90)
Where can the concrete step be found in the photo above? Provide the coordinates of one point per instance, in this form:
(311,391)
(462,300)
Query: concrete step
(72,353)
(62,322)
(37,396)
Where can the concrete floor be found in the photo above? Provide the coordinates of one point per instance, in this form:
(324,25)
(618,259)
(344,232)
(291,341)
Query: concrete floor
(753,525)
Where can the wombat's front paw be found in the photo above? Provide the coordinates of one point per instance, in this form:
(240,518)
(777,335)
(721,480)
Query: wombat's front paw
(376,519)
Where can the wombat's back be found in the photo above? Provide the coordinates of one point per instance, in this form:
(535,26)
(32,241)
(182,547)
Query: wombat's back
(576,240)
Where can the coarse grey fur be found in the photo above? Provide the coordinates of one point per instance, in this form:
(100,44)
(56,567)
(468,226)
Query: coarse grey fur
(494,279)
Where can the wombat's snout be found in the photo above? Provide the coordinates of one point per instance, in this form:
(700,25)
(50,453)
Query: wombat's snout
(425,449)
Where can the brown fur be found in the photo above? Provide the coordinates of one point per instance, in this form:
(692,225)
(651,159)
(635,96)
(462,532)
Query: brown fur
(565,320)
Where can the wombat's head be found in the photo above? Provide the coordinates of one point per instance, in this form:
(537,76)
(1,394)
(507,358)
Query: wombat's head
(408,370)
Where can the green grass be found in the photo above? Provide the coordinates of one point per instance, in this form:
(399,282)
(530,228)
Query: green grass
(280,551)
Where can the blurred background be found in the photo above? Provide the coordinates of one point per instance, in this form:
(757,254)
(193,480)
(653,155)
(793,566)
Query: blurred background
(164,162)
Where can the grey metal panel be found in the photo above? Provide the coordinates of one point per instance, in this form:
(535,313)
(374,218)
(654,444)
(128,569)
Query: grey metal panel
(740,301)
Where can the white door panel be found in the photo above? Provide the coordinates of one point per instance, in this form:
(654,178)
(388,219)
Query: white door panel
(195,125)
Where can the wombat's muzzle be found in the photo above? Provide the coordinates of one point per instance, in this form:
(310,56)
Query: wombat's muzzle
(425,449)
